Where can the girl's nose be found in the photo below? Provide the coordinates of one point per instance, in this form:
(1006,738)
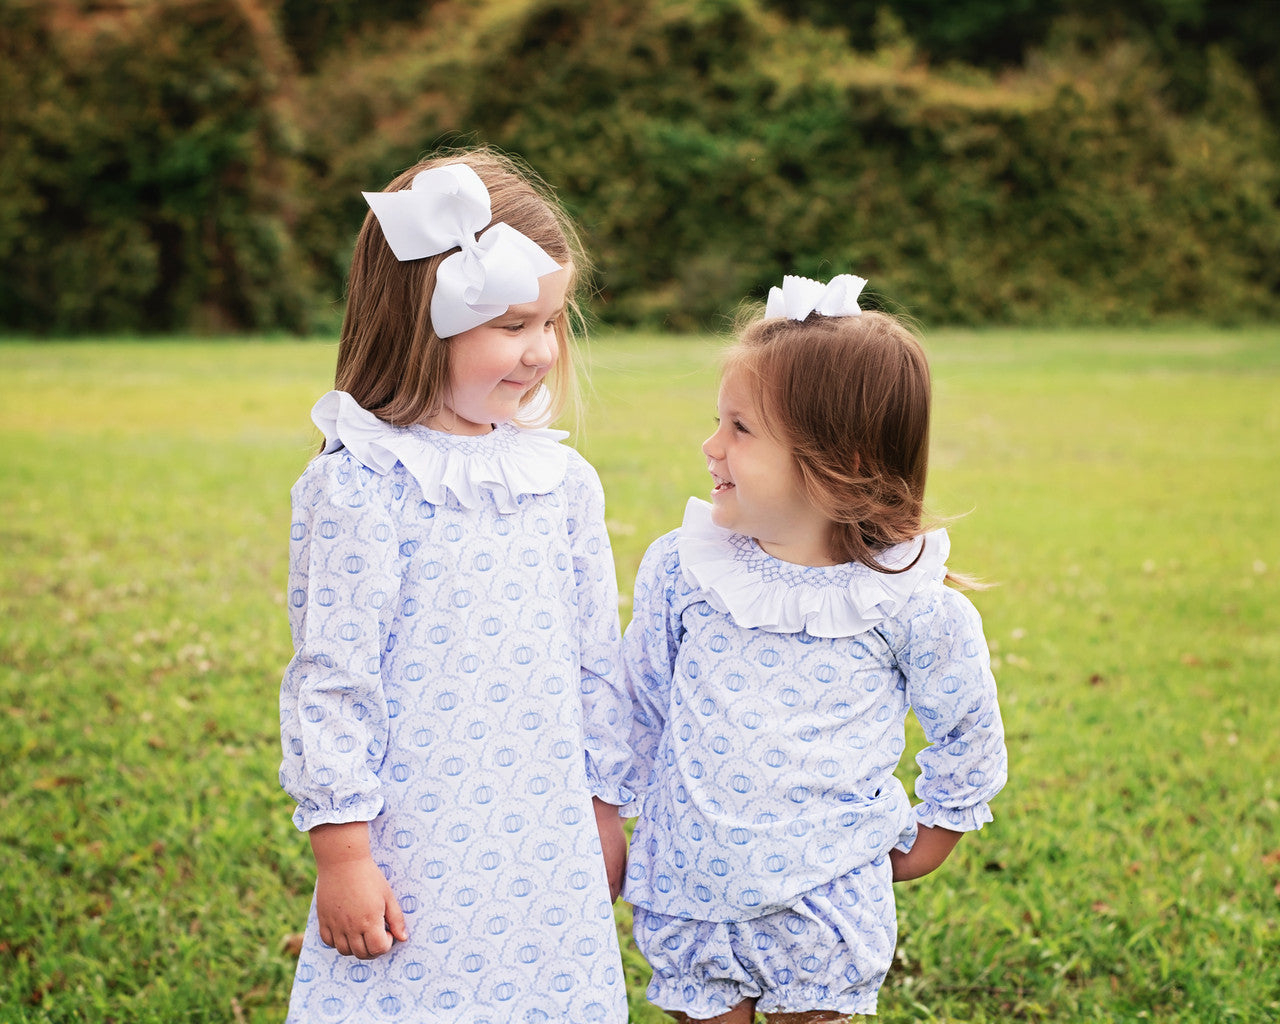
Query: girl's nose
(542,348)
(710,448)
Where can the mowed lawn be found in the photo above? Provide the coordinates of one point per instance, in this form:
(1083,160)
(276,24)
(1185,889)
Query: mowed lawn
(1119,490)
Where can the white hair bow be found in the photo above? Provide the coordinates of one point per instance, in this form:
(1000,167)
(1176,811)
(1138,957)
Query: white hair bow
(800,296)
(448,207)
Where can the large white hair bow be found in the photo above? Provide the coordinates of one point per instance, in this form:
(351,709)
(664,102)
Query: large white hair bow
(800,296)
(447,207)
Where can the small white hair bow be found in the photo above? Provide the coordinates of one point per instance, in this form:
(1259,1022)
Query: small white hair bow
(448,207)
(800,296)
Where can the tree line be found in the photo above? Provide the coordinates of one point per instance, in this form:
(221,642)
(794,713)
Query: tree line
(197,164)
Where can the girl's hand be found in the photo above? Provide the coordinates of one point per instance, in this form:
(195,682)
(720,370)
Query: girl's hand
(613,843)
(932,847)
(358,912)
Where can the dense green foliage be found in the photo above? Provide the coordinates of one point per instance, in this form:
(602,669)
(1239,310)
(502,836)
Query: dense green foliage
(197,163)
(150,867)
(146,179)
(999,33)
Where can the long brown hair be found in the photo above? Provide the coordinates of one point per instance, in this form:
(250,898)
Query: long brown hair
(850,397)
(390,360)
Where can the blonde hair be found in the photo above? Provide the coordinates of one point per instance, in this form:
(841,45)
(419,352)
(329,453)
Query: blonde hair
(850,398)
(390,359)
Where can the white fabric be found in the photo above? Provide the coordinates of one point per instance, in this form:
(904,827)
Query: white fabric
(456,683)
(759,592)
(800,296)
(440,208)
(509,462)
(447,207)
(764,758)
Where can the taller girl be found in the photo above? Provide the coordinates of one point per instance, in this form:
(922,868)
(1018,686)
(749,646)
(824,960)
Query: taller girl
(452,721)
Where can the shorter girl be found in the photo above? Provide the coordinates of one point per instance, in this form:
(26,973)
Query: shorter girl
(778,638)
(453,720)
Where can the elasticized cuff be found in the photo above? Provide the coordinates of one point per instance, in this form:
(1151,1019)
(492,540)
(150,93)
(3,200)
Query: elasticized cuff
(958,819)
(610,790)
(632,808)
(359,809)
(618,796)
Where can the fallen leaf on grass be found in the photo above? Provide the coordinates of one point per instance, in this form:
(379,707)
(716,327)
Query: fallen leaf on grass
(292,944)
(1272,858)
(51,782)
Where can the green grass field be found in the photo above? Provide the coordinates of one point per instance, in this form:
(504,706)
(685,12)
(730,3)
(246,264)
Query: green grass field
(1119,489)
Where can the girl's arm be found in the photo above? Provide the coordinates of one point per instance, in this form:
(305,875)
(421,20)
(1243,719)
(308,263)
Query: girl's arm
(344,570)
(932,846)
(358,913)
(333,709)
(649,650)
(942,653)
(606,710)
(613,844)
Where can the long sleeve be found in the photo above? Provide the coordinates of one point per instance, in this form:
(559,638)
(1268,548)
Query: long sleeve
(343,588)
(606,709)
(943,655)
(649,650)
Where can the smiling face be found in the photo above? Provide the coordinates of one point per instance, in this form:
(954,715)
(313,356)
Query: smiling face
(492,367)
(757,489)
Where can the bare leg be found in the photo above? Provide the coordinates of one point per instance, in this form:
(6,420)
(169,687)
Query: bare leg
(811,1017)
(743,1013)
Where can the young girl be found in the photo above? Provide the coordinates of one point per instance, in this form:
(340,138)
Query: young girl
(779,636)
(453,720)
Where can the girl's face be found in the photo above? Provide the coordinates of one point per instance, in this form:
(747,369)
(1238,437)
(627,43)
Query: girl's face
(493,366)
(757,489)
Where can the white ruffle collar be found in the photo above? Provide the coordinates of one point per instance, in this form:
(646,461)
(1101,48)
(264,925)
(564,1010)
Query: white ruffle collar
(759,591)
(505,463)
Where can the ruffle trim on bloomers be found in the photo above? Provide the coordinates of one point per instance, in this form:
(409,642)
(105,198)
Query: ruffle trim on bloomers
(759,591)
(506,463)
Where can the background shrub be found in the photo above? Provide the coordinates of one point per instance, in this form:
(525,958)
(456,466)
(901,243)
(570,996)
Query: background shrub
(707,147)
(152,181)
